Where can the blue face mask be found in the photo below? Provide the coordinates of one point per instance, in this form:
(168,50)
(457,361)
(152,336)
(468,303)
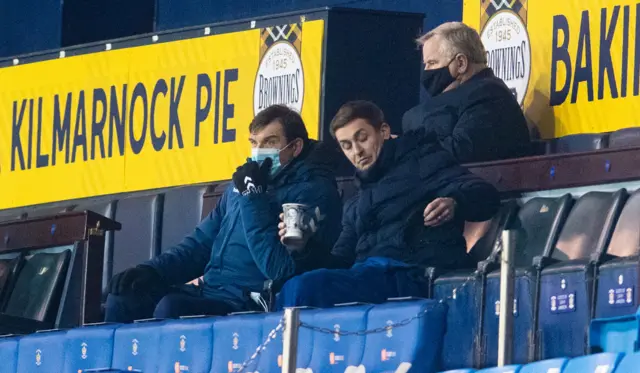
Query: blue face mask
(261,154)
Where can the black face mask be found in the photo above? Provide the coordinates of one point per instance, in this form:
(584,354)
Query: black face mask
(435,81)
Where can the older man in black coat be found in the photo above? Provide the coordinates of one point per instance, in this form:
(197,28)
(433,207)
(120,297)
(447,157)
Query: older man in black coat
(472,112)
(409,213)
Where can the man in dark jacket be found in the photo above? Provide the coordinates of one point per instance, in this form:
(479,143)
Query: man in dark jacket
(473,113)
(237,247)
(409,213)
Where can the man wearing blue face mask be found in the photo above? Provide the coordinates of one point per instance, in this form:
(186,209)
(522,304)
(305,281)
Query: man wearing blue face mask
(236,249)
(473,113)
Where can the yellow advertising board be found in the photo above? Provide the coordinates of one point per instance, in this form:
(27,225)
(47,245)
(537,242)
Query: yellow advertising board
(161,115)
(574,65)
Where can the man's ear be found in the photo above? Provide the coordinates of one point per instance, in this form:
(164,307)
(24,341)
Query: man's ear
(298,147)
(463,64)
(385,130)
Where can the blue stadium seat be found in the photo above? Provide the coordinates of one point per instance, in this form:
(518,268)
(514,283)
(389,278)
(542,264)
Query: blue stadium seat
(545,366)
(235,339)
(629,364)
(334,353)
(186,345)
(615,334)
(42,352)
(460,371)
(136,346)
(461,342)
(566,286)
(9,353)
(89,347)
(582,142)
(605,362)
(413,346)
(505,369)
(271,358)
(618,277)
(536,230)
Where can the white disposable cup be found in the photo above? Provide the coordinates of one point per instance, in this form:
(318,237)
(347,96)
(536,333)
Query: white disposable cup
(294,220)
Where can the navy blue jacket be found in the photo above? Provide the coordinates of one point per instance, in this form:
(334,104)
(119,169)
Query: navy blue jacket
(478,121)
(385,218)
(237,247)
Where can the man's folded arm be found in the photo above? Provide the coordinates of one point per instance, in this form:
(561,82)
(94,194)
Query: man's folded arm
(188,259)
(476,199)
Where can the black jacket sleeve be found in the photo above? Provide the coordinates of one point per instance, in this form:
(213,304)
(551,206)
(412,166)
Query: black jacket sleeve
(476,199)
(343,254)
(188,259)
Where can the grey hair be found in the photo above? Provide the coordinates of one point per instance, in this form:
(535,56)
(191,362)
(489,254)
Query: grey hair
(458,38)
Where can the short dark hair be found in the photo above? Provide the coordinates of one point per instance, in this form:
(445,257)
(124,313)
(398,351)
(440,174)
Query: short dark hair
(353,110)
(291,122)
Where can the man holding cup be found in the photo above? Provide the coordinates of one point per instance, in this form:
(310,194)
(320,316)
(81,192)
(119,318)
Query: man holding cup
(409,214)
(237,248)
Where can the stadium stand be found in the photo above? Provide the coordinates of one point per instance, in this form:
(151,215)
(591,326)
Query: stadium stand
(566,283)
(536,228)
(465,302)
(618,275)
(573,263)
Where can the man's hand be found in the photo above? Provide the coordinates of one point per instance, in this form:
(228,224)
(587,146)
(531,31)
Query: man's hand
(137,280)
(439,211)
(282,227)
(251,177)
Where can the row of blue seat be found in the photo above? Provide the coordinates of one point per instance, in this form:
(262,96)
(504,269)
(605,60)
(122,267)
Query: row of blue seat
(607,362)
(571,263)
(222,344)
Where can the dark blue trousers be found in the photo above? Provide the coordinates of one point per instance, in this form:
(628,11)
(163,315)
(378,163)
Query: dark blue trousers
(372,281)
(174,304)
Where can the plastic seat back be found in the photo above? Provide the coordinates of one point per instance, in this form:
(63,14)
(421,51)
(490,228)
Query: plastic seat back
(583,142)
(235,339)
(186,345)
(137,346)
(412,347)
(629,364)
(333,353)
(38,287)
(605,362)
(89,347)
(545,366)
(9,354)
(586,233)
(42,352)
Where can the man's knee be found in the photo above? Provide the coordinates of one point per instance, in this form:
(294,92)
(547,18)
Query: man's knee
(171,306)
(120,308)
(303,289)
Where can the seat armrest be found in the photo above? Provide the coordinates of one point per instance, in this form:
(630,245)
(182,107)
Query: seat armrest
(431,273)
(488,265)
(540,262)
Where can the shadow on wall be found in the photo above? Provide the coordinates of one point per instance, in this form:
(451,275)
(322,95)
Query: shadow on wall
(540,116)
